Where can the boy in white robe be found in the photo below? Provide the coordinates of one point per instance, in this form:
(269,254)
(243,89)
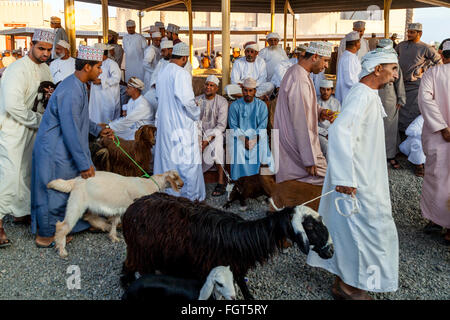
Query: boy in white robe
(327,101)
(349,66)
(64,66)
(104,100)
(359,214)
(137,112)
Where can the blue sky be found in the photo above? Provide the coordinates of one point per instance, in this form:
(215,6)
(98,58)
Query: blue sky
(435,21)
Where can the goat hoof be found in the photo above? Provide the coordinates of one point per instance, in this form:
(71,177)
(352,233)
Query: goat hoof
(63,253)
(243,208)
(115,239)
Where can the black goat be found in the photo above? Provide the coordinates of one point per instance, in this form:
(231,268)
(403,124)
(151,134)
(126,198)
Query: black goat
(44,92)
(183,238)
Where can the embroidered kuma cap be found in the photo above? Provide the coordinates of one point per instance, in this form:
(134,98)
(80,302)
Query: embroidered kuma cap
(90,53)
(352,36)
(415,26)
(181,49)
(131,23)
(43,36)
(322,48)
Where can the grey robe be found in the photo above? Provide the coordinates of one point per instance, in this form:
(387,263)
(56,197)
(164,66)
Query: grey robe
(414,60)
(391,95)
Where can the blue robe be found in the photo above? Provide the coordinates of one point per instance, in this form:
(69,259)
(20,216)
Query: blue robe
(248,119)
(61,150)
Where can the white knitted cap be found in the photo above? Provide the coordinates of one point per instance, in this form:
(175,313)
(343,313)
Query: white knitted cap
(166,44)
(156,34)
(359,24)
(181,49)
(273,35)
(415,26)
(326,83)
(212,78)
(322,48)
(249,83)
(352,36)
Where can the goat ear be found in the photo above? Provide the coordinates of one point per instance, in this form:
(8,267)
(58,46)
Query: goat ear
(172,183)
(300,234)
(207,289)
(137,134)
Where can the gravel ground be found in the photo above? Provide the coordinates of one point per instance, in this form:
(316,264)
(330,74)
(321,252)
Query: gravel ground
(30,273)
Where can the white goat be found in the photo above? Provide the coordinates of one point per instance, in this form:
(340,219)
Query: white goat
(107,194)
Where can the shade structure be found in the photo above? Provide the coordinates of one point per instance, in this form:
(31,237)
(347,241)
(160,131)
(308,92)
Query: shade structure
(261,6)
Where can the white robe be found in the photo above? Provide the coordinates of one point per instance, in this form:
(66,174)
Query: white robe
(365,243)
(61,69)
(349,68)
(361,52)
(412,146)
(139,113)
(177,145)
(316,79)
(150,95)
(152,55)
(273,56)
(104,100)
(332,104)
(242,69)
(280,72)
(18,128)
(134,46)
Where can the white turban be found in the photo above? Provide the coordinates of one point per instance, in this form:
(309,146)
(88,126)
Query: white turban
(253,46)
(64,44)
(375,58)
(212,78)
(136,83)
(273,35)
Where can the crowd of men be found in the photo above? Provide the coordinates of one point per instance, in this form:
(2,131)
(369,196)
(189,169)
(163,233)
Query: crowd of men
(340,145)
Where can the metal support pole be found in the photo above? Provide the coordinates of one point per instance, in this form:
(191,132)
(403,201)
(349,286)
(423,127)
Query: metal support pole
(212,41)
(294,33)
(387,8)
(140,21)
(105,20)
(225,44)
(13,44)
(208,44)
(272,15)
(69,17)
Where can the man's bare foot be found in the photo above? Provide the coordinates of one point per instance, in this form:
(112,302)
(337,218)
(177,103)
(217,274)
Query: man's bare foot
(4,241)
(343,291)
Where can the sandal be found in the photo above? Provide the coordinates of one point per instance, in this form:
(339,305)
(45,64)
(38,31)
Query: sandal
(218,190)
(53,243)
(5,242)
(419,171)
(394,163)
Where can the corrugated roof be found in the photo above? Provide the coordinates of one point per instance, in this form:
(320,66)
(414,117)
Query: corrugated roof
(258,6)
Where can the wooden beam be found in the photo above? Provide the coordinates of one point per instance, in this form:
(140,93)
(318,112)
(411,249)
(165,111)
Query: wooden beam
(285,22)
(387,10)
(294,33)
(436,3)
(188,4)
(164,5)
(225,44)
(208,44)
(105,20)
(212,41)
(69,17)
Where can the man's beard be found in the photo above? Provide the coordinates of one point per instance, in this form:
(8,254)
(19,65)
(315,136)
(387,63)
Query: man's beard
(167,58)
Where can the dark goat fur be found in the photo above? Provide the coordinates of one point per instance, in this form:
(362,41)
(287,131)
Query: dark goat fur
(40,98)
(188,239)
(108,157)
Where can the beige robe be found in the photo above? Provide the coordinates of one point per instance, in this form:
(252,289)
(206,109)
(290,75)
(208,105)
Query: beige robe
(296,118)
(18,128)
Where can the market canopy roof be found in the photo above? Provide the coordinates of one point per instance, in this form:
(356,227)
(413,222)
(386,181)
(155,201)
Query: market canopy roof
(263,6)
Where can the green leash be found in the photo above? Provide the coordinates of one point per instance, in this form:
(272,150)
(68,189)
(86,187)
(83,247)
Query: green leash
(146,175)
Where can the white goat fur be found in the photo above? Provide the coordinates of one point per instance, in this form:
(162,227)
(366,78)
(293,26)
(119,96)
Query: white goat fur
(107,194)
(219,275)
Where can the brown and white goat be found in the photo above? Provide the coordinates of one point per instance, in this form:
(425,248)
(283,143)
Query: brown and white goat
(108,157)
(285,194)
